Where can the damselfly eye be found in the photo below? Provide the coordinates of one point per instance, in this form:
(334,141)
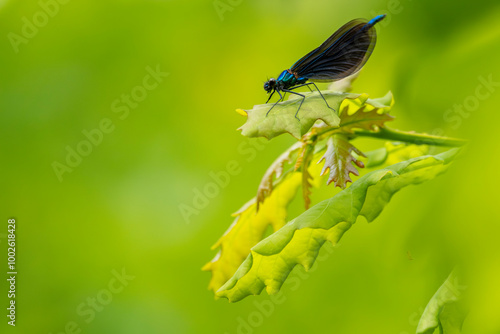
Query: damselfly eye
(268,86)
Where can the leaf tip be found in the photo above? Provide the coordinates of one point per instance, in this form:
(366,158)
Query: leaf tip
(241,112)
(207,267)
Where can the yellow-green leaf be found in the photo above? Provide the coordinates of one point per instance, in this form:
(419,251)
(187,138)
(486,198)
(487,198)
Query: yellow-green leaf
(298,242)
(281,118)
(357,114)
(276,169)
(248,229)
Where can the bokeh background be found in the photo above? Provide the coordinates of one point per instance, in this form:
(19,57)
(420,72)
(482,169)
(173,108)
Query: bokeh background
(119,207)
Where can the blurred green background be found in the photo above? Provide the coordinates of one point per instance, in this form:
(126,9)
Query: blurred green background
(119,207)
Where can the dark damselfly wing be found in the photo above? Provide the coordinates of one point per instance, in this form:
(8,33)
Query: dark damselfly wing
(341,55)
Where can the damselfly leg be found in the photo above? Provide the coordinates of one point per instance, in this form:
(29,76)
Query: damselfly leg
(281,98)
(271,95)
(312,83)
(301,101)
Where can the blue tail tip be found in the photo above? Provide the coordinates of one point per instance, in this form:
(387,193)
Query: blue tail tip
(376,19)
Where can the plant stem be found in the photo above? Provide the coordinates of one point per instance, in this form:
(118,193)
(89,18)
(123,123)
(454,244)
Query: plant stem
(411,137)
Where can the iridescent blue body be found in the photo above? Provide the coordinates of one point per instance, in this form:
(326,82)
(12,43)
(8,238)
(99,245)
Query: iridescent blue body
(287,79)
(342,54)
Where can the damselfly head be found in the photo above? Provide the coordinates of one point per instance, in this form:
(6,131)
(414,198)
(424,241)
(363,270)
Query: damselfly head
(270,85)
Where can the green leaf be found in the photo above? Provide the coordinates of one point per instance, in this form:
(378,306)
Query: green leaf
(376,157)
(339,160)
(249,225)
(444,312)
(282,118)
(248,229)
(298,242)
